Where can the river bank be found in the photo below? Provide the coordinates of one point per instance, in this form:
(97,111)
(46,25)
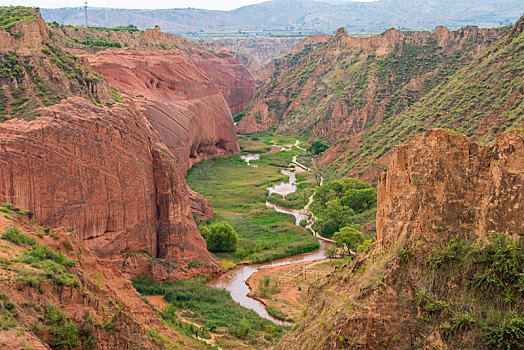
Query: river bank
(236,281)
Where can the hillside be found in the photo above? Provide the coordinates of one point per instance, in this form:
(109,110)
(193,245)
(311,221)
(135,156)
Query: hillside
(56,294)
(480,100)
(445,267)
(35,72)
(353,92)
(285,17)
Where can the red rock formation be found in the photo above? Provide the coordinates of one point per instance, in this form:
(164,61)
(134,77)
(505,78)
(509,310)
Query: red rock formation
(441,179)
(439,188)
(233,78)
(105,173)
(182,103)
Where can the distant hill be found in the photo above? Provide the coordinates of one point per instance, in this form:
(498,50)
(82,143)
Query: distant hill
(283,17)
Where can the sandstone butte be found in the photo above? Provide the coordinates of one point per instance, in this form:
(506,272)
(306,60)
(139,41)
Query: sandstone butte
(116,175)
(436,188)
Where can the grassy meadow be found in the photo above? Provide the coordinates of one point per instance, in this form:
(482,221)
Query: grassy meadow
(237,193)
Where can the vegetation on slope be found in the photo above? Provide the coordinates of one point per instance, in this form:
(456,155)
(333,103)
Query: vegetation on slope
(44,77)
(9,16)
(481,100)
(365,103)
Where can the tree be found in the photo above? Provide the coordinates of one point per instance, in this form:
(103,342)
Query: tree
(359,199)
(318,146)
(221,238)
(348,238)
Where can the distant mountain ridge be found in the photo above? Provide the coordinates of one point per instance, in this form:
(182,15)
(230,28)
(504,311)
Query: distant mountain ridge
(304,16)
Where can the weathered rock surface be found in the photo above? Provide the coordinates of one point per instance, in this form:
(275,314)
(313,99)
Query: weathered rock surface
(181,102)
(105,173)
(228,73)
(437,188)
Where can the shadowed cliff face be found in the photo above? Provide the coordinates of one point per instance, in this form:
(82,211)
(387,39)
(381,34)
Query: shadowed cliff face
(105,173)
(439,190)
(181,101)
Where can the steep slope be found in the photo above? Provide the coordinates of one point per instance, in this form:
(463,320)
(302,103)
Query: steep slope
(103,170)
(56,294)
(437,274)
(339,85)
(365,96)
(35,72)
(303,16)
(105,173)
(181,102)
(481,100)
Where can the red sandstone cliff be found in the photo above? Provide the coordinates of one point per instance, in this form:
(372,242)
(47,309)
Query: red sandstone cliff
(228,73)
(105,173)
(439,190)
(181,102)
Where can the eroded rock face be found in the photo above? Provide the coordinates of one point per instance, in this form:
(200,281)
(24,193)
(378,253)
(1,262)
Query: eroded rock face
(438,189)
(105,173)
(447,180)
(181,101)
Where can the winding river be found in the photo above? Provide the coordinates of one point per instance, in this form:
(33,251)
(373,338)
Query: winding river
(234,281)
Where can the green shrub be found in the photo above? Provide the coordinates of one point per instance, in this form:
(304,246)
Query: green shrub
(430,304)
(460,322)
(53,316)
(222,238)
(243,329)
(318,146)
(8,312)
(508,333)
(404,255)
(64,336)
(14,235)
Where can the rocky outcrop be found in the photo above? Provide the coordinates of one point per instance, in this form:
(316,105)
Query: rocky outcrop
(448,180)
(105,173)
(181,102)
(438,190)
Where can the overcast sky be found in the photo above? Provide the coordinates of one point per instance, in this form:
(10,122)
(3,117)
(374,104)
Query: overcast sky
(205,4)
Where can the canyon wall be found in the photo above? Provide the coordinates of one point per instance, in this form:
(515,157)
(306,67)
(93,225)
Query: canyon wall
(105,173)
(442,197)
(364,96)
(181,102)
(78,154)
